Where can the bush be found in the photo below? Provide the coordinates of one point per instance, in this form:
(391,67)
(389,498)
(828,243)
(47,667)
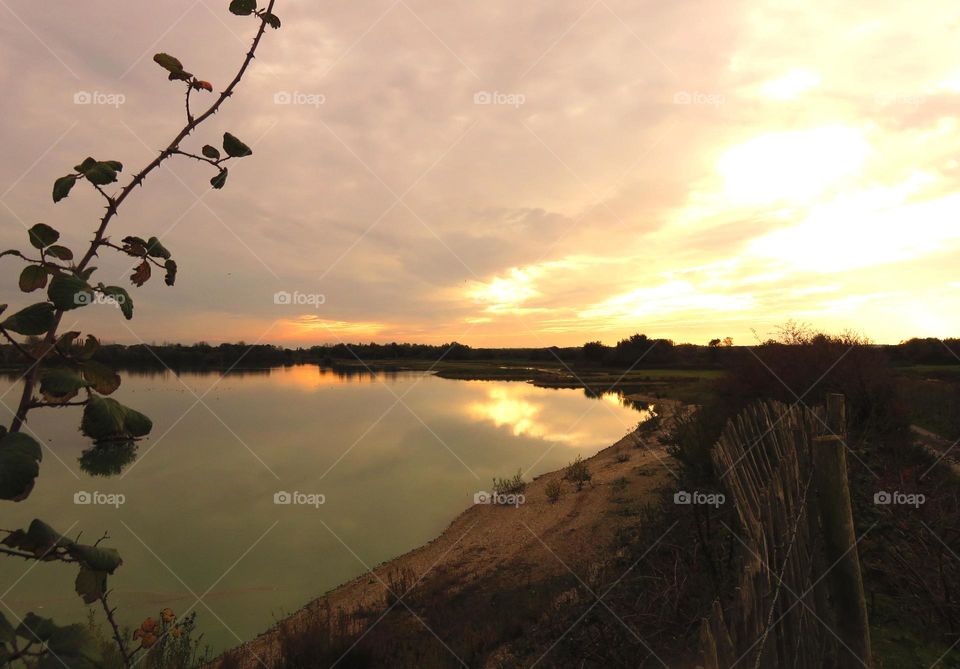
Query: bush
(647,427)
(512,486)
(399,584)
(801,363)
(623,456)
(690,437)
(554,490)
(577,473)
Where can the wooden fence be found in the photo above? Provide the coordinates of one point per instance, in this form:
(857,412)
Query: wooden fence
(799,601)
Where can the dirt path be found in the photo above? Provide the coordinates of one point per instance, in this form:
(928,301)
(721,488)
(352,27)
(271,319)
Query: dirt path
(943,450)
(535,541)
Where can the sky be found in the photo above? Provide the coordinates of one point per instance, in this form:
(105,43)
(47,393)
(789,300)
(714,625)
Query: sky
(503,173)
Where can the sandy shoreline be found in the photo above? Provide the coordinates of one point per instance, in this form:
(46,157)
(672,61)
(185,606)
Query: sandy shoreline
(539,537)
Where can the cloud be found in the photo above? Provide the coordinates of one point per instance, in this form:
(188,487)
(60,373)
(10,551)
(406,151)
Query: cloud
(643,171)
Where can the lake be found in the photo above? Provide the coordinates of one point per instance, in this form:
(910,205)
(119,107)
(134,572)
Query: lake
(393,458)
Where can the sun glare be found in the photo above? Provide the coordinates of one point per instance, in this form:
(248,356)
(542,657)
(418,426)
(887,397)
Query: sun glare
(793,167)
(791,85)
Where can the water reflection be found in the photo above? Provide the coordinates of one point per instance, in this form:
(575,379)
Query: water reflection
(394,476)
(108,459)
(524,410)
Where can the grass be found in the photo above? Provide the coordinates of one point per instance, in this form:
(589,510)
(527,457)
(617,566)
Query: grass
(902,648)
(936,371)
(934,404)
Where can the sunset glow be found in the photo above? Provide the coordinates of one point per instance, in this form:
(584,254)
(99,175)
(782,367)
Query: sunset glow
(584,175)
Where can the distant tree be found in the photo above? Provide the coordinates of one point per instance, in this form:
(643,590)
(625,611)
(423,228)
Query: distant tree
(594,351)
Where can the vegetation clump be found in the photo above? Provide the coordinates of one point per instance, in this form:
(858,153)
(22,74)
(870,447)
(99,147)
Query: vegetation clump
(554,490)
(510,486)
(577,473)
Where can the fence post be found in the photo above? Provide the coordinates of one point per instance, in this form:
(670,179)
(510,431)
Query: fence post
(840,540)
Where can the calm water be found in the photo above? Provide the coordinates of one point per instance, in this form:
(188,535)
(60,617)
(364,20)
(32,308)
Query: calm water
(199,517)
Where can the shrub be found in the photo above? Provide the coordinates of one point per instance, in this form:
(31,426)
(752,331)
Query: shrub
(623,456)
(690,437)
(511,486)
(577,473)
(647,427)
(554,490)
(800,363)
(399,584)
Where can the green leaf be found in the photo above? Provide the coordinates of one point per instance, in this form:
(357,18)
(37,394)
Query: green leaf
(41,537)
(32,277)
(42,235)
(69,292)
(106,420)
(210,152)
(59,252)
(156,250)
(73,646)
(20,457)
(33,320)
(59,384)
(87,163)
(272,20)
(90,584)
(102,173)
(134,246)
(36,629)
(171,276)
(220,180)
(243,7)
(183,75)
(90,347)
(6,630)
(62,186)
(234,147)
(94,557)
(100,377)
(168,62)
(66,340)
(121,297)
(87,273)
